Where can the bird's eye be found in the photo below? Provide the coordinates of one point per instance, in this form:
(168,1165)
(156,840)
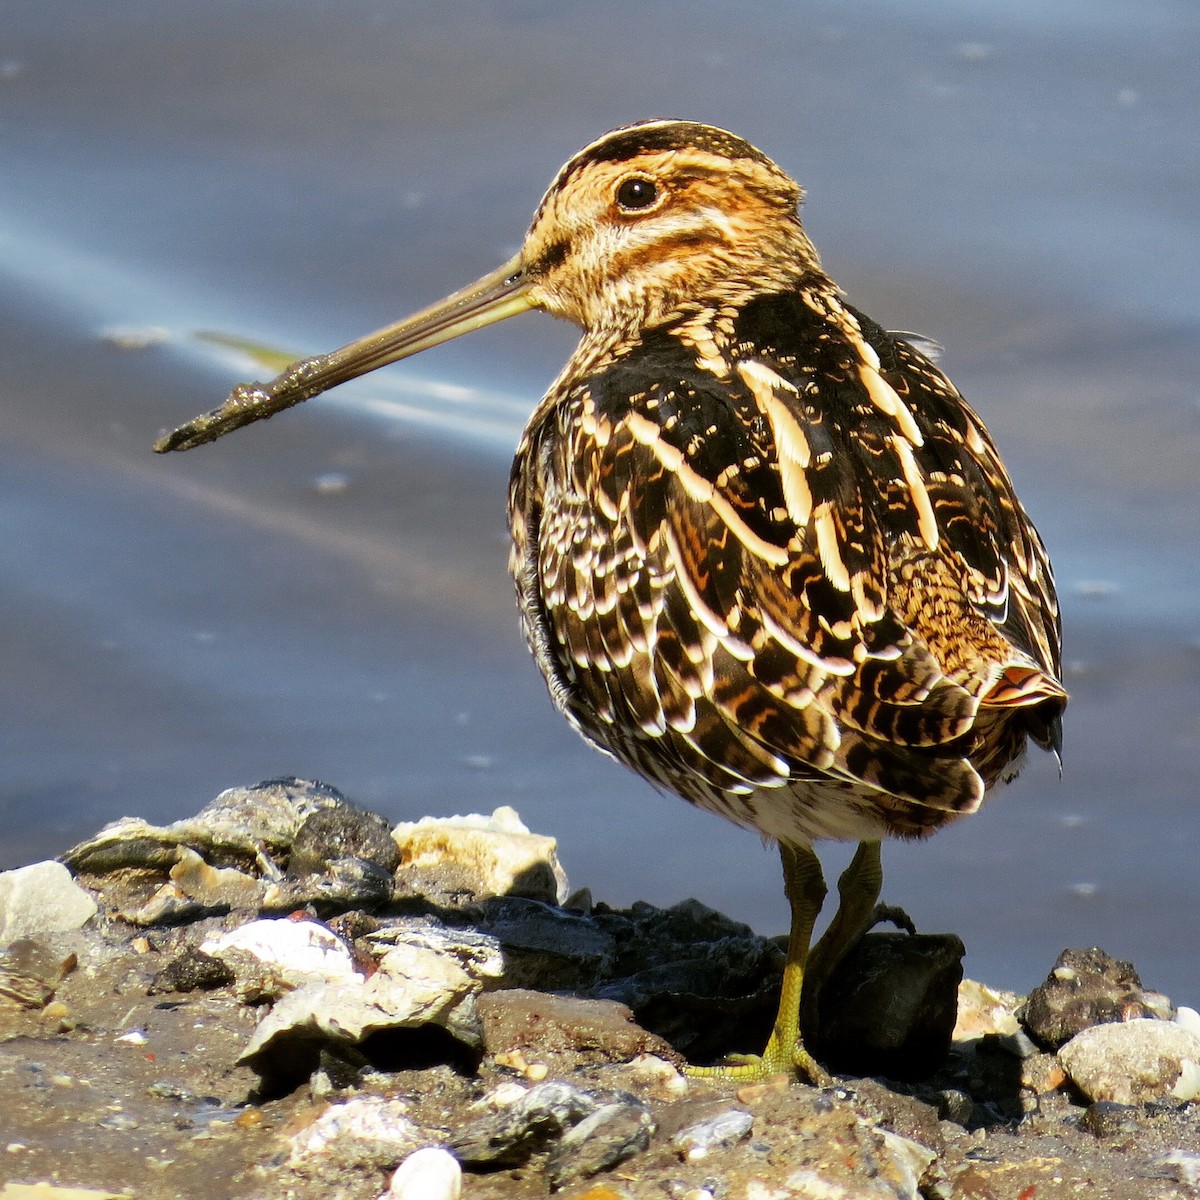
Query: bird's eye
(636,193)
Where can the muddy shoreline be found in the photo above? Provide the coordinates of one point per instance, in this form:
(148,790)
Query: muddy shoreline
(163,1048)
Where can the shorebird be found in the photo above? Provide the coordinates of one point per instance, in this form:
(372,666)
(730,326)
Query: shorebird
(765,554)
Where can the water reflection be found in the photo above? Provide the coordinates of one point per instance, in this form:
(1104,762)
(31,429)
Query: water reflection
(1018,184)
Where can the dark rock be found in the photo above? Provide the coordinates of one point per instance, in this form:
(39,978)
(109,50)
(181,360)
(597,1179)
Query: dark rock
(547,1027)
(607,1137)
(527,1126)
(341,884)
(1085,988)
(889,1007)
(956,1106)
(706,983)
(330,834)
(1105,1119)
(545,945)
(192,970)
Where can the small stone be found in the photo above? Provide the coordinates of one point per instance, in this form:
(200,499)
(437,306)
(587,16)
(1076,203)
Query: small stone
(955,1105)
(912,1160)
(41,898)
(1085,988)
(1019,1044)
(655,1077)
(1103,1119)
(479,954)
(365,1130)
(430,1173)
(530,1124)
(498,853)
(613,1133)
(1187,1018)
(1042,1073)
(192,970)
(1134,1062)
(330,834)
(983,1010)
(716,1132)
(121,1122)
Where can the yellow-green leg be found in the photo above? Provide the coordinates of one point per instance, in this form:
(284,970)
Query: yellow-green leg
(858,892)
(805,889)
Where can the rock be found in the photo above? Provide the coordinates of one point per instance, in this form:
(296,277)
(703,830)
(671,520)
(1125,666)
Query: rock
(1104,1119)
(250,828)
(890,1005)
(547,1028)
(706,983)
(363,1131)
(430,1173)
(1085,988)
(983,1010)
(30,973)
(41,898)
(1187,1018)
(234,854)
(547,945)
(491,856)
(411,989)
(1134,1062)
(613,1133)
(525,1126)
(191,970)
(1184,1167)
(345,831)
(912,1160)
(1042,1073)
(722,1129)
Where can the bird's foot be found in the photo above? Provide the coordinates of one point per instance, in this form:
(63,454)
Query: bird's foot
(777,1059)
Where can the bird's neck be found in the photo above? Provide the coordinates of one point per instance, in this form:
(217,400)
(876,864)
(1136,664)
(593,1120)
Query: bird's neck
(707,324)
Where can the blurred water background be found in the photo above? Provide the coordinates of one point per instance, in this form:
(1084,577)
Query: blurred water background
(326,595)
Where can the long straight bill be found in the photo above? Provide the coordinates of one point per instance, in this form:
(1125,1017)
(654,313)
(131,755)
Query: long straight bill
(503,293)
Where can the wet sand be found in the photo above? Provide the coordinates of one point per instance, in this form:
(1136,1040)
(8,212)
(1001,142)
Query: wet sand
(326,595)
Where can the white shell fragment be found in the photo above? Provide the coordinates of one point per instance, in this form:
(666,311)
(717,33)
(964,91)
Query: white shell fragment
(427,1174)
(297,952)
(499,850)
(714,1132)
(41,898)
(365,1127)
(1134,1061)
(412,987)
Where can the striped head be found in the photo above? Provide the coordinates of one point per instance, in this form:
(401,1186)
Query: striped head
(654,215)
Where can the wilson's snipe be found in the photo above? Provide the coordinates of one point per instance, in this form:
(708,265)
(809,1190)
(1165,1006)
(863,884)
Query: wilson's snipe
(765,554)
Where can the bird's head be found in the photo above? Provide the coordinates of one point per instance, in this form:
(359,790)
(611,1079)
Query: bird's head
(657,215)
